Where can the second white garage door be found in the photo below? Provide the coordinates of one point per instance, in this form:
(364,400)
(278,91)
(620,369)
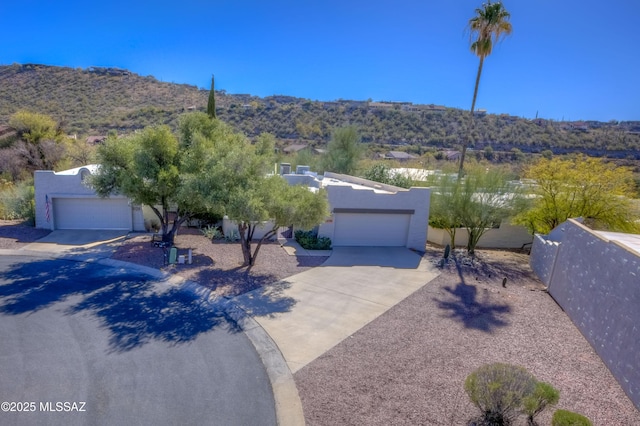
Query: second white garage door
(92,213)
(371,229)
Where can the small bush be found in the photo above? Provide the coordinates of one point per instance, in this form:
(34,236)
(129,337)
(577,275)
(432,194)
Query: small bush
(569,418)
(543,396)
(499,390)
(212,232)
(233,236)
(310,241)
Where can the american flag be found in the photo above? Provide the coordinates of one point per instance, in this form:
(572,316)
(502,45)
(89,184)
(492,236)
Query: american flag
(47,212)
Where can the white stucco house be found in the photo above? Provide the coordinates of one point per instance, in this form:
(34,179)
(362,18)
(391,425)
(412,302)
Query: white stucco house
(363,212)
(64,201)
(367,213)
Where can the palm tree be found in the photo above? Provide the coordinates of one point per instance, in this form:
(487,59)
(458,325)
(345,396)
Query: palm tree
(487,27)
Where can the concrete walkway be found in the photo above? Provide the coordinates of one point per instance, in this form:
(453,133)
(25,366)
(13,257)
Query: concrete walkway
(309,313)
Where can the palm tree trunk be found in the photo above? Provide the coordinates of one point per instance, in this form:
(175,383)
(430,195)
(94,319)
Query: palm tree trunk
(467,142)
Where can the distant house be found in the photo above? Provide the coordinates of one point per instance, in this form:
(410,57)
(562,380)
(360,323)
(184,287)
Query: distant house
(399,155)
(434,108)
(381,105)
(294,148)
(480,112)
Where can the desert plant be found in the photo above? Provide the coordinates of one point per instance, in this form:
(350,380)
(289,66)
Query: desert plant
(569,418)
(233,236)
(543,396)
(211,232)
(447,251)
(498,390)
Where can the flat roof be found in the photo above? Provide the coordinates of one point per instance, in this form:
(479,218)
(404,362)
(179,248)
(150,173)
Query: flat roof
(330,181)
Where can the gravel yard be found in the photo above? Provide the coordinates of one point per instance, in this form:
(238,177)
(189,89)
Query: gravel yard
(408,366)
(218,265)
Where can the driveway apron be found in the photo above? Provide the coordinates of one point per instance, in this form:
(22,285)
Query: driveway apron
(309,313)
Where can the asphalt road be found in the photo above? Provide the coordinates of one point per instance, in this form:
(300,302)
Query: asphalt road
(84,344)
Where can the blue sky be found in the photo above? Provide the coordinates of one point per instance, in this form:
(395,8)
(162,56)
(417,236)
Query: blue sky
(569,59)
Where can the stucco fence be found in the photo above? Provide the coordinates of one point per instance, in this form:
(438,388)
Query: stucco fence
(505,236)
(597,283)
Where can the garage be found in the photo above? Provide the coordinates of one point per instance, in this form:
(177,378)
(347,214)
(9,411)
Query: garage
(92,213)
(371,228)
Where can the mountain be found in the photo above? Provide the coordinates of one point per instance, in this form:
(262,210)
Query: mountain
(94,100)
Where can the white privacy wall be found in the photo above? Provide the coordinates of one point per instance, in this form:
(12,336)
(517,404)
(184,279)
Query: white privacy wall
(597,283)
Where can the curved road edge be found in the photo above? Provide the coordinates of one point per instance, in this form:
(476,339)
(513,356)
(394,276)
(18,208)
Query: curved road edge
(285,393)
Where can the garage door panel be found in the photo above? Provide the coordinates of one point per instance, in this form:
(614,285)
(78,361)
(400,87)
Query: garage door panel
(371,229)
(92,213)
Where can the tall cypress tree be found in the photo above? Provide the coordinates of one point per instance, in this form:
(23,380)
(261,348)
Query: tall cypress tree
(211,105)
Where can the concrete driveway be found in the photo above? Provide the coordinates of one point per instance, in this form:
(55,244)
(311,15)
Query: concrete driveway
(92,344)
(309,313)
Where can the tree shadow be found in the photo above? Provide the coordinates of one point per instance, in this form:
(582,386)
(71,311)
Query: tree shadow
(267,301)
(464,306)
(134,309)
(22,232)
(232,282)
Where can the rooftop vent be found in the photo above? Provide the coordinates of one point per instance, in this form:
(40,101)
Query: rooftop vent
(285,168)
(300,170)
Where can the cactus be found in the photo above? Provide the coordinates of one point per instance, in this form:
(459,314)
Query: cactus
(447,251)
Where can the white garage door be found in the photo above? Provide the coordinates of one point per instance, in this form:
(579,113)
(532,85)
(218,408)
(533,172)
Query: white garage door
(91,213)
(371,229)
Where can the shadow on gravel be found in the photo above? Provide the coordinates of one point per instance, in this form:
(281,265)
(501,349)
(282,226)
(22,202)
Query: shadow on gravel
(465,307)
(133,309)
(21,232)
(232,282)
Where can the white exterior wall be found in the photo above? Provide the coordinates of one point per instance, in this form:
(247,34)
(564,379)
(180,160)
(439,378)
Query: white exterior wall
(68,184)
(596,282)
(229,226)
(506,236)
(416,199)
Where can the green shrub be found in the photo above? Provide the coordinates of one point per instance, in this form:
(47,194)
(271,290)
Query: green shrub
(233,236)
(569,418)
(18,202)
(212,232)
(310,241)
(498,390)
(543,396)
